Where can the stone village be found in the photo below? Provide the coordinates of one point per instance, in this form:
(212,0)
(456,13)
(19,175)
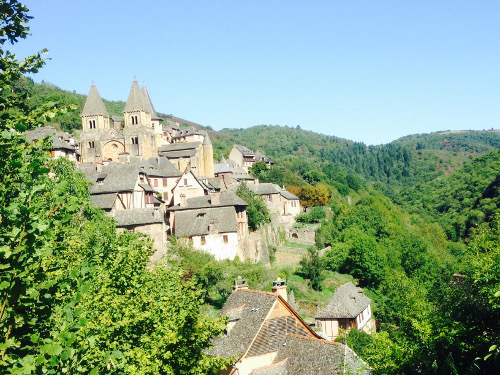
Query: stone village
(154,176)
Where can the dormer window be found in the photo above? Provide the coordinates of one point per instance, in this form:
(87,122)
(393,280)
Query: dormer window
(100,181)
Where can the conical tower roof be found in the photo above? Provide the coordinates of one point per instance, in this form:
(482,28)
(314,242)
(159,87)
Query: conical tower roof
(94,104)
(135,101)
(206,139)
(149,104)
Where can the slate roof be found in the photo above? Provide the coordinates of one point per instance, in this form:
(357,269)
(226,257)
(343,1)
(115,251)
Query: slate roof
(261,157)
(278,368)
(226,198)
(244,150)
(197,222)
(149,104)
(264,188)
(256,306)
(287,195)
(94,104)
(178,154)
(221,168)
(60,140)
(104,201)
(164,167)
(115,178)
(138,216)
(306,355)
(179,146)
(216,182)
(206,139)
(347,302)
(136,100)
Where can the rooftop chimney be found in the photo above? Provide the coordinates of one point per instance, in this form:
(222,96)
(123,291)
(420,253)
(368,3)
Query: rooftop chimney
(279,286)
(240,284)
(215,199)
(183,200)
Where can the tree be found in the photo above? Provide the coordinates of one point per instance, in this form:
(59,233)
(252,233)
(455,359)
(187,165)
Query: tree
(75,297)
(311,268)
(257,211)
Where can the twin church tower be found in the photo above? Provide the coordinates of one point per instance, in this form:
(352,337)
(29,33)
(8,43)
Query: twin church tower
(139,133)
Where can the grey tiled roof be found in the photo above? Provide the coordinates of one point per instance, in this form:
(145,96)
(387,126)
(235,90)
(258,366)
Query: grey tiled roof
(278,368)
(288,195)
(244,150)
(347,302)
(221,168)
(136,100)
(256,306)
(115,178)
(60,140)
(94,104)
(178,154)
(179,146)
(318,357)
(164,167)
(138,216)
(149,104)
(265,188)
(104,201)
(226,198)
(261,157)
(197,222)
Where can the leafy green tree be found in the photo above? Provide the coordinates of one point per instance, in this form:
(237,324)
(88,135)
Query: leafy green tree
(74,296)
(257,211)
(311,268)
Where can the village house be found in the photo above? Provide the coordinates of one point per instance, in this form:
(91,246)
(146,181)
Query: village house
(349,308)
(267,336)
(188,186)
(216,223)
(124,193)
(278,200)
(246,158)
(197,153)
(63,144)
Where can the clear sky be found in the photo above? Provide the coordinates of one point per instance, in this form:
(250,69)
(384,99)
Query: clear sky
(365,70)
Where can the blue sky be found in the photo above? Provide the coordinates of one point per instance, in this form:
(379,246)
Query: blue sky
(369,71)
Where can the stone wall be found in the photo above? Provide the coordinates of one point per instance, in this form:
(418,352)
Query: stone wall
(303,235)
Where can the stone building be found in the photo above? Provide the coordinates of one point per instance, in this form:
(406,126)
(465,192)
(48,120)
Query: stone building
(216,223)
(349,308)
(267,337)
(246,158)
(63,144)
(194,149)
(103,139)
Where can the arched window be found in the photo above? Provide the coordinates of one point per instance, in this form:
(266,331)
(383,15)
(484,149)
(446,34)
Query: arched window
(92,124)
(91,144)
(136,121)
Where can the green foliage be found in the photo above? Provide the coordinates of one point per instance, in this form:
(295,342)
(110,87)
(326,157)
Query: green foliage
(315,215)
(311,268)
(257,212)
(75,297)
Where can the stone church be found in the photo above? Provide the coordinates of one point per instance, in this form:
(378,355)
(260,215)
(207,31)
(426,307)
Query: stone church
(103,138)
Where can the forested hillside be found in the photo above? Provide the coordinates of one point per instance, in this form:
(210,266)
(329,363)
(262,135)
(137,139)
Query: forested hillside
(402,163)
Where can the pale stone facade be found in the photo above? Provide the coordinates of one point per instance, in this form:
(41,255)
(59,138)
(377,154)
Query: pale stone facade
(102,140)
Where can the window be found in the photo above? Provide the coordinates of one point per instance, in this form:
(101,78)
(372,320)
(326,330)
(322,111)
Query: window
(164,182)
(134,120)
(135,140)
(114,146)
(203,240)
(226,240)
(92,124)
(155,182)
(91,144)
(185,181)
